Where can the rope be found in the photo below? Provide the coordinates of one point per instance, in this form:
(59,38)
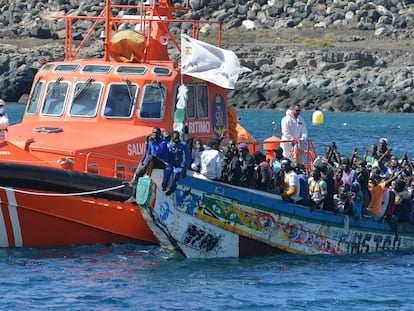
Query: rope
(29,161)
(63,194)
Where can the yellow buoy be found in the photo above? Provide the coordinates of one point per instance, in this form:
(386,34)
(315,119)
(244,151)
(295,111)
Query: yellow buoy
(317,118)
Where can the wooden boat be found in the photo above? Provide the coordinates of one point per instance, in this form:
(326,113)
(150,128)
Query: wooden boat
(86,123)
(209,219)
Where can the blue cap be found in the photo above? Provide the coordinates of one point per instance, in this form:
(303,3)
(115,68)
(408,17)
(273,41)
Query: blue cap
(242,146)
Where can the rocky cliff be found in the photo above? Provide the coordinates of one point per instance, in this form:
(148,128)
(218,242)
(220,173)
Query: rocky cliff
(335,55)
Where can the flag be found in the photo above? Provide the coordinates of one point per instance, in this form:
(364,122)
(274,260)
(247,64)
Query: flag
(210,63)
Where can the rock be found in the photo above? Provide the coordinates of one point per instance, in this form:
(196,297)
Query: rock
(367,68)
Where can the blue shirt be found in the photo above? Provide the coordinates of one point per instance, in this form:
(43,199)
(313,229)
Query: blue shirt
(158,149)
(179,155)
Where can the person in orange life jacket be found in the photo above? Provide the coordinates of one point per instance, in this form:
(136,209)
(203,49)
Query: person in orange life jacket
(4,120)
(263,172)
(377,189)
(291,184)
(177,164)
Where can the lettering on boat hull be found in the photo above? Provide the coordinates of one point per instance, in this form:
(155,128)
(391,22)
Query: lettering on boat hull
(136,149)
(199,127)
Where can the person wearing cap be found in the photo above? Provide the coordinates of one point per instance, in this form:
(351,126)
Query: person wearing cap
(247,166)
(276,162)
(4,120)
(293,128)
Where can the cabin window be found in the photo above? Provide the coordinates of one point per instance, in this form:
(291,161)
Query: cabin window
(129,70)
(47,67)
(202,101)
(67,68)
(93,168)
(132,171)
(99,69)
(55,97)
(121,100)
(86,98)
(153,102)
(34,99)
(190,108)
(158,71)
(120,171)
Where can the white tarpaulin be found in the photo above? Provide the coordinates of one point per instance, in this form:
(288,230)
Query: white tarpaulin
(210,63)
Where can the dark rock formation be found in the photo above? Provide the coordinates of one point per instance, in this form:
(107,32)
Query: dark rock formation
(335,55)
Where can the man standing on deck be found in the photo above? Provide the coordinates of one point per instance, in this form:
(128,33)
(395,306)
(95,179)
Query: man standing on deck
(293,127)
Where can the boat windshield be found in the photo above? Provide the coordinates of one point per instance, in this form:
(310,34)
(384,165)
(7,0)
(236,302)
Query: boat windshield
(55,97)
(34,99)
(121,100)
(153,102)
(86,98)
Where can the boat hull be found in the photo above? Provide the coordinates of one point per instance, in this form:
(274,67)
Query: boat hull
(210,219)
(43,212)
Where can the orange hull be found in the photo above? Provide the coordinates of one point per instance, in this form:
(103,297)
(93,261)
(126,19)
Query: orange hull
(85,129)
(48,221)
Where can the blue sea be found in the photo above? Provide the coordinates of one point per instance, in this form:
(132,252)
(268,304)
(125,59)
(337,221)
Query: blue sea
(134,277)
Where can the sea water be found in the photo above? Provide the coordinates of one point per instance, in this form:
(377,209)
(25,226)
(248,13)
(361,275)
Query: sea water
(135,277)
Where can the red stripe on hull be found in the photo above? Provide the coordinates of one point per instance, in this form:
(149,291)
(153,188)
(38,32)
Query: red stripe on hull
(6,218)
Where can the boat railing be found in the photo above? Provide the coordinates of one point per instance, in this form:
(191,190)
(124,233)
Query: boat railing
(160,13)
(107,165)
(303,153)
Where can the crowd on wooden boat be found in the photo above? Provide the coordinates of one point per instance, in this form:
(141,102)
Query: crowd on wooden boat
(375,185)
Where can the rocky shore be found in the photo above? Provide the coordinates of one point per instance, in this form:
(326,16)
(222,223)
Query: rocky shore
(333,55)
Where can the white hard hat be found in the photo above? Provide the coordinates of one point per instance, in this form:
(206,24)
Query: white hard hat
(2,102)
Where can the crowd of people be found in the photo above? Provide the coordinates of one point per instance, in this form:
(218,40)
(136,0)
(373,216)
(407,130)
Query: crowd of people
(376,184)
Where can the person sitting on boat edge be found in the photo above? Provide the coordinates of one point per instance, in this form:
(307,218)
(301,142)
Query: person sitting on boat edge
(177,164)
(210,161)
(291,186)
(4,120)
(156,156)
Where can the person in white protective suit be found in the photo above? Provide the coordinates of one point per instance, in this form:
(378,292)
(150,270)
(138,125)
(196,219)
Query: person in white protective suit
(293,128)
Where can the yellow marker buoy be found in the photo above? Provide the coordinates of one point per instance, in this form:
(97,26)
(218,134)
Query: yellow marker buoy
(317,118)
